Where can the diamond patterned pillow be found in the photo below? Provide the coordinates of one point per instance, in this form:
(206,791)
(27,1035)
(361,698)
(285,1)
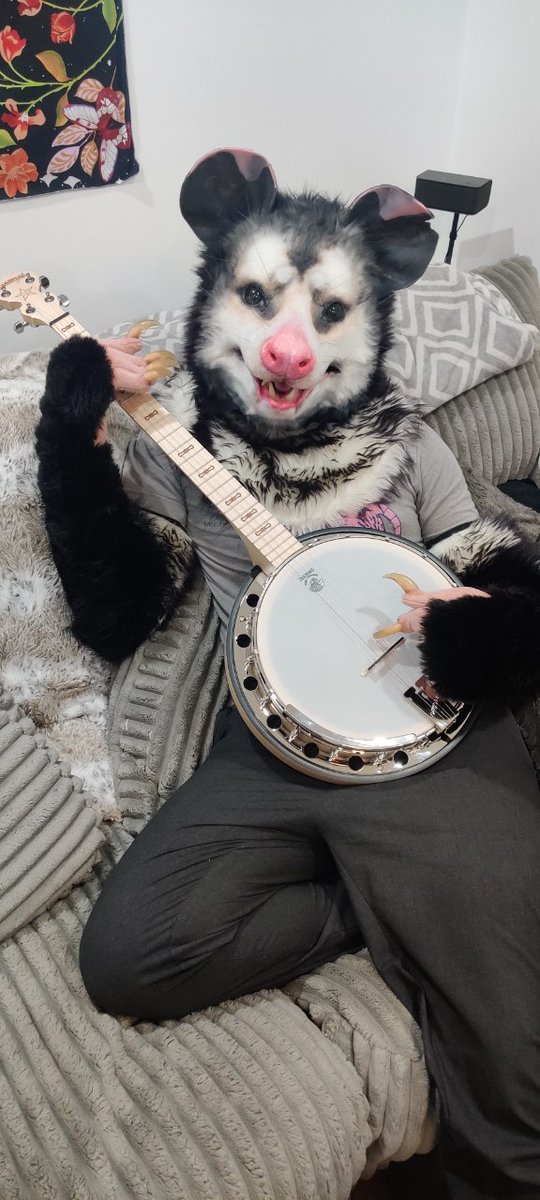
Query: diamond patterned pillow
(453,330)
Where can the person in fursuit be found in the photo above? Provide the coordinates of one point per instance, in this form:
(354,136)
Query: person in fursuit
(252,873)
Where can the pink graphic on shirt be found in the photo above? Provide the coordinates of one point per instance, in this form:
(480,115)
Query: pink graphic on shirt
(375,516)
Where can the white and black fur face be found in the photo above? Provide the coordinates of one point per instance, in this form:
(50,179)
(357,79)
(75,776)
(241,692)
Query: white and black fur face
(291,320)
(290,324)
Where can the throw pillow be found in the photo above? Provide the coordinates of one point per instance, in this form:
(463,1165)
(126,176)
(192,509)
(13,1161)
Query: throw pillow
(453,330)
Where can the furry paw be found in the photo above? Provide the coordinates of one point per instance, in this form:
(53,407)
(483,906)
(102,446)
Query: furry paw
(484,648)
(79,385)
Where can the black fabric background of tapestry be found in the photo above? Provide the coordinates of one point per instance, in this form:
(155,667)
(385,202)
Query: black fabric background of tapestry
(64,104)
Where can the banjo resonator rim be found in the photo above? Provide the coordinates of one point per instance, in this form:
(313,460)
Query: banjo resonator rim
(307,748)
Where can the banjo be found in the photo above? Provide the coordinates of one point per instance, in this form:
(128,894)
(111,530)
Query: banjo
(316,663)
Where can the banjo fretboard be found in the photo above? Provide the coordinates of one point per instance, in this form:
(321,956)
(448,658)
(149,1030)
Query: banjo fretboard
(270,544)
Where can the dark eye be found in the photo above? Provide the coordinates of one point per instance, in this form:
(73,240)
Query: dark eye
(253,296)
(334,312)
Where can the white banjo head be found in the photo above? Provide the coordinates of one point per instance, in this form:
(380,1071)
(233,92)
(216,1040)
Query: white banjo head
(312,681)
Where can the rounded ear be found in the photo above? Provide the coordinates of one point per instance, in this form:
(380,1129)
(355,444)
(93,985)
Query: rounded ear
(400,234)
(224,186)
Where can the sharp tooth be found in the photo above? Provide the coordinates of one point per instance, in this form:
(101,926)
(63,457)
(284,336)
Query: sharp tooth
(271,390)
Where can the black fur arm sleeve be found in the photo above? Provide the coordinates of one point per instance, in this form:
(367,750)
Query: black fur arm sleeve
(118,577)
(478,648)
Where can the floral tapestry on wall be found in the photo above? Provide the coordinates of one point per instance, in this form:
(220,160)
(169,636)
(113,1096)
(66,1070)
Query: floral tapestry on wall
(64,105)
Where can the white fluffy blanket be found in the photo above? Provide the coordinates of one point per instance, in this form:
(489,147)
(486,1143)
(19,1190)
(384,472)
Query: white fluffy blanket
(54,679)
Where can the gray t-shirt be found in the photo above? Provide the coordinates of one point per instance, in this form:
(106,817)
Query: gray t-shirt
(431,501)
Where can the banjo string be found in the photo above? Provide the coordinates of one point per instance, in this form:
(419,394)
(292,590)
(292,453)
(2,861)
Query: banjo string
(356,637)
(366,643)
(339,617)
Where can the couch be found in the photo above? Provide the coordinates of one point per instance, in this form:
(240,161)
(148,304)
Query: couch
(289,1094)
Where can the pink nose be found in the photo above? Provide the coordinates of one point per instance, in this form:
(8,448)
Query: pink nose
(287,354)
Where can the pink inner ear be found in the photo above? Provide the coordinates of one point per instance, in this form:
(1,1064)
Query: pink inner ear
(394,202)
(249,163)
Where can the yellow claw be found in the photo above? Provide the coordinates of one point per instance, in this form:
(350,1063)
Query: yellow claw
(140,327)
(166,355)
(162,358)
(388,631)
(403,581)
(161,364)
(407,585)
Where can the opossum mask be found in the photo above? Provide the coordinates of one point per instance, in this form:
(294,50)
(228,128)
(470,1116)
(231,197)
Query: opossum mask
(292,314)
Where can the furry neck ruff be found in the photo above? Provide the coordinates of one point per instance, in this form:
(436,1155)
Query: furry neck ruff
(309,478)
(345,466)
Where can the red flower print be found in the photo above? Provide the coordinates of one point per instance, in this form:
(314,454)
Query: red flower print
(16,173)
(19,121)
(106,124)
(113,103)
(62,27)
(10,43)
(29,8)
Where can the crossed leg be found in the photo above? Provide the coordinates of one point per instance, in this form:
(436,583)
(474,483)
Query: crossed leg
(251,875)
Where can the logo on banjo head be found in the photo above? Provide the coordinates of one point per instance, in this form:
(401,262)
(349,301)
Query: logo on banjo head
(311,580)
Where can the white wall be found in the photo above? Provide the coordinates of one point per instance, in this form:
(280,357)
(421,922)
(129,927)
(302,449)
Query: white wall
(497,128)
(339,95)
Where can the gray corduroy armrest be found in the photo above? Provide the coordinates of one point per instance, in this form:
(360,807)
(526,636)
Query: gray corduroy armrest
(494,428)
(491,502)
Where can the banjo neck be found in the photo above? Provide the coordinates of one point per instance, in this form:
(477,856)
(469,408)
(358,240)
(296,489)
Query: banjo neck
(268,542)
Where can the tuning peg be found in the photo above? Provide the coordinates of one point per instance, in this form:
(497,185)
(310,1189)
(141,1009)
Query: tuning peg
(64,301)
(45,283)
(20,326)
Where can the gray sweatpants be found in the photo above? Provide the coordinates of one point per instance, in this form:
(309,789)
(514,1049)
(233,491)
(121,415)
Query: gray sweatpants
(252,874)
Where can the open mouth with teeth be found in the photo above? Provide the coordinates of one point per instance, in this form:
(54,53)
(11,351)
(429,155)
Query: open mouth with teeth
(280,395)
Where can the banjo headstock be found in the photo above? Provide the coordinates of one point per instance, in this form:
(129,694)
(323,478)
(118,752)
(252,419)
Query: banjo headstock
(30,294)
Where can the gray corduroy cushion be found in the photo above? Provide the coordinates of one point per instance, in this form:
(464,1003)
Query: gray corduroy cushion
(250,1100)
(494,429)
(49,839)
(163,704)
